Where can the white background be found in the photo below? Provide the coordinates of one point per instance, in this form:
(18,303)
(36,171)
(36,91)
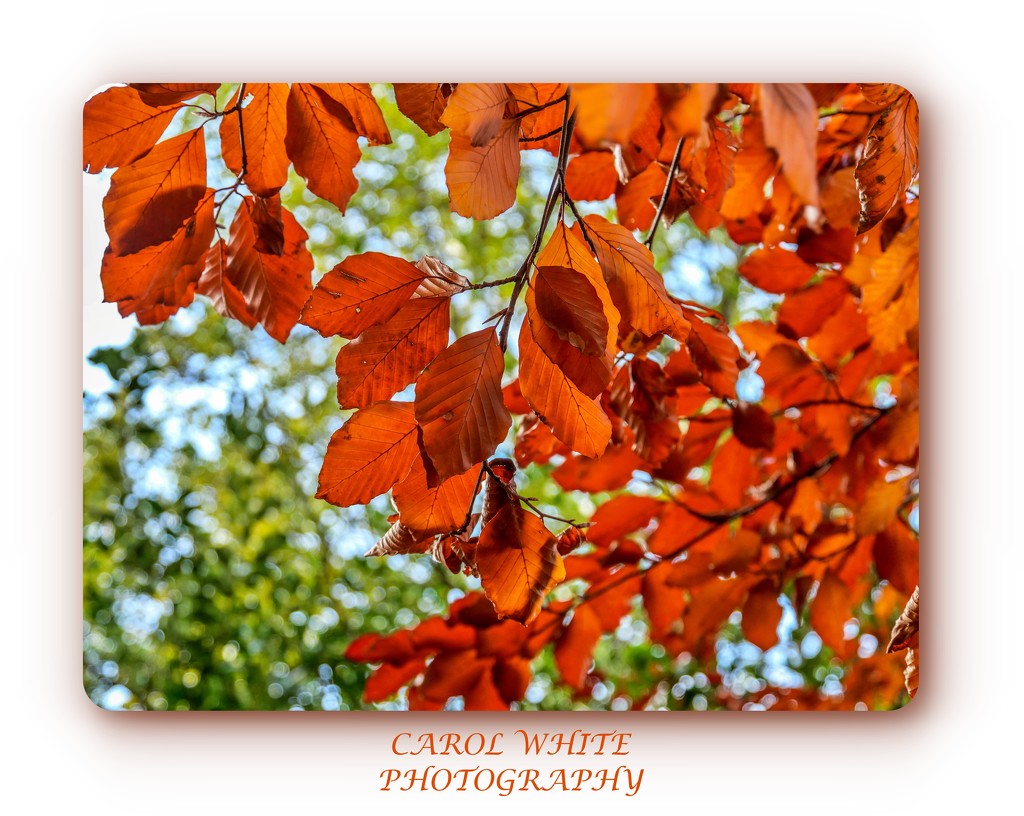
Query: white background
(956,745)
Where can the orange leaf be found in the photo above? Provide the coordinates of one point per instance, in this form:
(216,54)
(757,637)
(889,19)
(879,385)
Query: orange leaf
(889,163)
(423,103)
(224,295)
(733,552)
(158,280)
(791,127)
(897,553)
(621,515)
(320,143)
(475,110)
(170,93)
(576,419)
(881,502)
(150,199)
(776,270)
(575,647)
(609,113)
(386,358)
(664,605)
(591,176)
(803,313)
(710,604)
(119,128)
(360,292)
(831,609)
(634,201)
(636,287)
(367,455)
(426,510)
(716,356)
(761,616)
(357,99)
(389,678)
(482,180)
(264,121)
(578,345)
(459,403)
(518,562)
(274,287)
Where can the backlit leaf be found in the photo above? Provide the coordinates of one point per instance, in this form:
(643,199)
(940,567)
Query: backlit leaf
(459,403)
(264,123)
(889,164)
(475,110)
(369,454)
(360,292)
(321,144)
(791,128)
(575,647)
(387,357)
(118,128)
(150,199)
(518,561)
(427,510)
(482,180)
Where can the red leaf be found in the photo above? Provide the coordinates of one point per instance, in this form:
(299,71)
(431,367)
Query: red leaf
(273,287)
(358,100)
(158,280)
(475,110)
(170,93)
(776,270)
(761,616)
(423,102)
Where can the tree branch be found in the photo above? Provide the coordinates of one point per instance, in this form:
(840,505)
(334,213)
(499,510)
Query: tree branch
(668,188)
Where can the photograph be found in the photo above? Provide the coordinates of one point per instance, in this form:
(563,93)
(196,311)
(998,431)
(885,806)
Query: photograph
(501,397)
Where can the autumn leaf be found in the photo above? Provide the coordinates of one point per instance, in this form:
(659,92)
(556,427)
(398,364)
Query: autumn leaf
(475,110)
(369,454)
(387,357)
(118,128)
(576,419)
(273,287)
(637,288)
(423,103)
(575,647)
(889,164)
(761,616)
(158,280)
(358,101)
(170,93)
(322,146)
(459,404)
(265,117)
(518,562)
(152,198)
(361,291)
(482,179)
(791,128)
(610,113)
(400,540)
(776,270)
(831,609)
(429,510)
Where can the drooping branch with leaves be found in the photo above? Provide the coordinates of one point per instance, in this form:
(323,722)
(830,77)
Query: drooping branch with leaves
(801,492)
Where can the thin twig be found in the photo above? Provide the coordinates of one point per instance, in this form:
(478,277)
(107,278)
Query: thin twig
(542,136)
(555,192)
(668,188)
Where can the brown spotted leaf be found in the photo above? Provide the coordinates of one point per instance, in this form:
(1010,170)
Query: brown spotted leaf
(890,161)
(361,291)
(386,358)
